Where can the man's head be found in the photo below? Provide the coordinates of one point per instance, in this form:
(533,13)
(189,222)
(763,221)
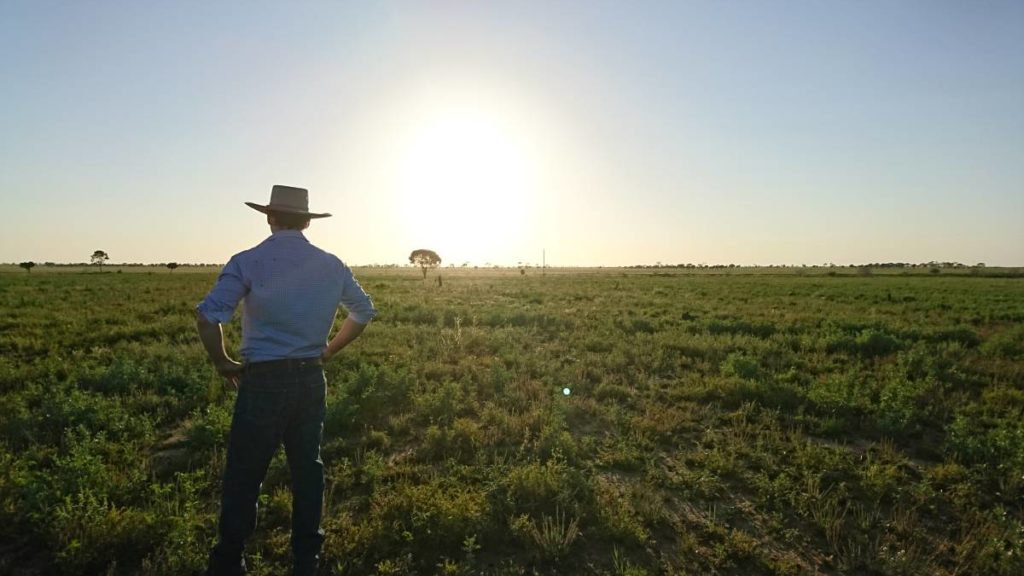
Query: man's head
(286,221)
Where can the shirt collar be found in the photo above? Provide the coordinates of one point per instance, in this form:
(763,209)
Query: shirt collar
(287,234)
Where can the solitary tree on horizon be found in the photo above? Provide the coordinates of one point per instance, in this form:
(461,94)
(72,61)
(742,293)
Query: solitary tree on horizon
(99,257)
(171,266)
(28,266)
(424,259)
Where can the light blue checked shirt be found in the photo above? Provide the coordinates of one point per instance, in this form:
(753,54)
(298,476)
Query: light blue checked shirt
(290,292)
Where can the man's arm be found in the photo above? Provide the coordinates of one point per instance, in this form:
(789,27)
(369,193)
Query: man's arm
(212,336)
(360,312)
(216,309)
(350,330)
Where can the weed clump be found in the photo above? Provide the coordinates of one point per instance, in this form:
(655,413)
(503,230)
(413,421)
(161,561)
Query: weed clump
(740,366)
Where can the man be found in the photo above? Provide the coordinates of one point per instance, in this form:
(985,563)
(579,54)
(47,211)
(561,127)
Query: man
(290,291)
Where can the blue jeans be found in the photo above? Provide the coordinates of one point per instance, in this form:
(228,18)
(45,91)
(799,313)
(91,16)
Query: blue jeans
(278,403)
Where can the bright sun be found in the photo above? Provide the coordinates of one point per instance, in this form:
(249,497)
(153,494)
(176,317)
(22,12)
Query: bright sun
(466,181)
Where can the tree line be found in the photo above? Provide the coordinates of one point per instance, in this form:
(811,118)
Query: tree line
(932,264)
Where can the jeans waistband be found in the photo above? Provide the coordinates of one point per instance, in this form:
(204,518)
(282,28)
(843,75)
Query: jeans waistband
(284,364)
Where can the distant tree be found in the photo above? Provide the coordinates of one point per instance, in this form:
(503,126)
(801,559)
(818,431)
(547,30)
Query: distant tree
(424,259)
(28,266)
(99,257)
(171,266)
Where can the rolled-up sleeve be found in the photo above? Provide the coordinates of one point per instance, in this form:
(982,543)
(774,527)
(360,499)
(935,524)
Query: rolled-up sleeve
(355,300)
(219,305)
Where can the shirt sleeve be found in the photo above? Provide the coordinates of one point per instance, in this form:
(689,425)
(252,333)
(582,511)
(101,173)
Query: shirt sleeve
(355,299)
(219,305)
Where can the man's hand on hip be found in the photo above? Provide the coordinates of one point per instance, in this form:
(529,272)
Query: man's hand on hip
(212,336)
(350,330)
(230,370)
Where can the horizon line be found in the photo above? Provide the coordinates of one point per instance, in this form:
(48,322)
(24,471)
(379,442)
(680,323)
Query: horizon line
(491,265)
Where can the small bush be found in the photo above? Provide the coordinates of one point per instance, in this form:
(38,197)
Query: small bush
(1006,344)
(871,343)
(904,404)
(537,488)
(377,440)
(619,520)
(91,534)
(442,404)
(553,536)
(209,428)
(740,366)
(996,446)
(437,516)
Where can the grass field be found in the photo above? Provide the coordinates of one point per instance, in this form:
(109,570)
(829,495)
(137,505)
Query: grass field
(776,423)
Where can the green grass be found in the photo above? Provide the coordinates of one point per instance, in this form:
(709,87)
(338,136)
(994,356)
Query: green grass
(769,423)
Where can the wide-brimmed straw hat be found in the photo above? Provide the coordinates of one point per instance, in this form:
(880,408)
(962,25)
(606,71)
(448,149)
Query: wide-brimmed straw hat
(287,200)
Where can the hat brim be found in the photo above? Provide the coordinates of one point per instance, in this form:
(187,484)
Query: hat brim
(268,208)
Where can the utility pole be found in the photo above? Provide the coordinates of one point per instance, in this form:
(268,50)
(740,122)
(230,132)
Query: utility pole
(543,262)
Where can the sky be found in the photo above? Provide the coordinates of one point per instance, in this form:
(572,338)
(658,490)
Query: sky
(592,133)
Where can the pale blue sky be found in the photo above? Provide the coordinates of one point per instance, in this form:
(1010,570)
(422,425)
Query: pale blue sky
(606,132)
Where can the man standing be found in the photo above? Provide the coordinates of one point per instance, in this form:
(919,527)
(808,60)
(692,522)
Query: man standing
(290,292)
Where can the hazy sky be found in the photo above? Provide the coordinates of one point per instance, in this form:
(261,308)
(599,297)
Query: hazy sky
(604,132)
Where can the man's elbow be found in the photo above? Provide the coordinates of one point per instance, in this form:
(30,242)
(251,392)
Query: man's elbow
(201,320)
(357,322)
(361,315)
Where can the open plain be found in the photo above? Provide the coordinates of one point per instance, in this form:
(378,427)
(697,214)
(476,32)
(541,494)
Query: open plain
(789,421)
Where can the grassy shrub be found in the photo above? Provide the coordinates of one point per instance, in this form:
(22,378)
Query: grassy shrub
(437,516)
(871,343)
(90,534)
(377,440)
(992,447)
(960,334)
(618,520)
(537,488)
(740,366)
(637,326)
(555,442)
(461,441)
(741,327)
(180,542)
(1008,343)
(209,428)
(612,391)
(904,404)
(443,404)
(846,395)
(552,536)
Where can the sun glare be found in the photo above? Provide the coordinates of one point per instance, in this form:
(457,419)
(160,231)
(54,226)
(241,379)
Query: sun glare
(466,182)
